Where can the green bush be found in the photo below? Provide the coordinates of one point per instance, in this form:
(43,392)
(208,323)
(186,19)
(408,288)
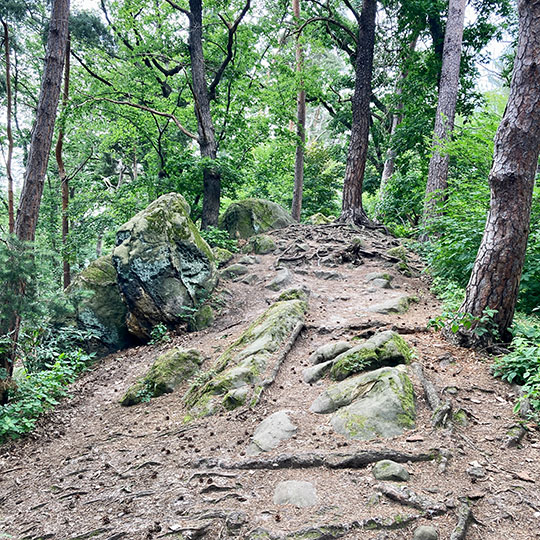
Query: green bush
(36,392)
(218,238)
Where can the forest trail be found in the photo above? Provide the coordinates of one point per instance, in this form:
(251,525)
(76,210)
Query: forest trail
(94,469)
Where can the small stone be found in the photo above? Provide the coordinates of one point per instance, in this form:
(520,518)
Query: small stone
(298,493)
(248,259)
(426,532)
(282,279)
(390,470)
(328,352)
(399,304)
(270,432)
(475,470)
(378,275)
(381,283)
(326,274)
(318,371)
(234,270)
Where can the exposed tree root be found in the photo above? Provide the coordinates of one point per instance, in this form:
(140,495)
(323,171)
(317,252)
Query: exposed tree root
(465,516)
(405,496)
(358,460)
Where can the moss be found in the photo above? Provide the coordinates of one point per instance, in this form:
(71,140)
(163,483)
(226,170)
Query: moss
(319,219)
(460,417)
(399,252)
(202,319)
(353,362)
(259,244)
(293,294)
(222,256)
(396,347)
(407,399)
(403,268)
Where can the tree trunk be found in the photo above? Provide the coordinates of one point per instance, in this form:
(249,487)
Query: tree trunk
(496,274)
(9,132)
(300,125)
(205,125)
(64,180)
(352,209)
(446,108)
(40,146)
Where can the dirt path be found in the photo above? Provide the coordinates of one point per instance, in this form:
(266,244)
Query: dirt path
(94,469)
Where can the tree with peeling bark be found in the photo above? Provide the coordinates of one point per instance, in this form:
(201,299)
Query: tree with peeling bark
(496,274)
(28,211)
(437,181)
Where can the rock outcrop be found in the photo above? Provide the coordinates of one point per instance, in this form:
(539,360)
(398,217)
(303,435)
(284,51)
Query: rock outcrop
(164,266)
(253,216)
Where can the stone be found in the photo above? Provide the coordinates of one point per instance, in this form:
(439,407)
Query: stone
(379,403)
(398,304)
(426,532)
(476,471)
(234,271)
(318,371)
(249,361)
(386,348)
(398,252)
(327,274)
(167,372)
(99,307)
(270,432)
(222,256)
(250,279)
(260,244)
(320,219)
(381,283)
(164,266)
(248,217)
(282,279)
(298,493)
(249,259)
(387,469)
(329,351)
(203,318)
(378,275)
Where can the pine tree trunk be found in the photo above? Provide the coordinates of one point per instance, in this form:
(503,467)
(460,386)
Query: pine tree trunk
(496,274)
(300,126)
(446,108)
(352,209)
(64,180)
(205,125)
(9,132)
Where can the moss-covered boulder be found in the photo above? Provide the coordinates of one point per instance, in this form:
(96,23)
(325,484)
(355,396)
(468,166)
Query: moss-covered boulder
(99,306)
(242,371)
(383,349)
(203,318)
(260,244)
(379,403)
(222,256)
(254,216)
(320,219)
(167,372)
(163,265)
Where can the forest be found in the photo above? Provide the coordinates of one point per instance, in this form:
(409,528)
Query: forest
(413,122)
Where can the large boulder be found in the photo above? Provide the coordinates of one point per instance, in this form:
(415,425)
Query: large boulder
(99,307)
(165,269)
(379,403)
(253,216)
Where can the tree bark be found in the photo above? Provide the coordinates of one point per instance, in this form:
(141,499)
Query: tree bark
(446,108)
(205,125)
(40,145)
(64,180)
(496,274)
(352,209)
(300,124)
(9,132)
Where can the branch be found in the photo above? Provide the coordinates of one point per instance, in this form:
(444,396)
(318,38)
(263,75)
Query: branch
(80,167)
(354,11)
(330,21)
(153,111)
(232,31)
(179,8)
(91,71)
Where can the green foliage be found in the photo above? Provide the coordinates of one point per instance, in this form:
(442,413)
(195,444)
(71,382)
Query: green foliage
(159,334)
(454,321)
(522,365)
(219,238)
(37,392)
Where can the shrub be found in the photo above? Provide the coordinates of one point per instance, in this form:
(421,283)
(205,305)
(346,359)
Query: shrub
(217,238)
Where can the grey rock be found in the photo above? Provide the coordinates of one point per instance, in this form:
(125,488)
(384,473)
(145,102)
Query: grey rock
(282,280)
(426,532)
(381,283)
(249,259)
(318,371)
(298,493)
(270,432)
(233,271)
(399,304)
(475,470)
(327,274)
(387,469)
(378,275)
(249,279)
(260,244)
(328,352)
(164,266)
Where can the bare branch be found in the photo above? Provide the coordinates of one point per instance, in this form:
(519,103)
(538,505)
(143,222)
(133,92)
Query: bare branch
(329,21)
(179,8)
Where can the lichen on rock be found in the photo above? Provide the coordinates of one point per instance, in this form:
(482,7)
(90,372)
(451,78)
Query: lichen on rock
(163,265)
(166,373)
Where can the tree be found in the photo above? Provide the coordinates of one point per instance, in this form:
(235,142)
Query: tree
(300,125)
(446,107)
(40,146)
(496,274)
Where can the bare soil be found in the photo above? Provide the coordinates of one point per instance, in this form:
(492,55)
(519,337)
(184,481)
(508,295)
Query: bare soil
(94,469)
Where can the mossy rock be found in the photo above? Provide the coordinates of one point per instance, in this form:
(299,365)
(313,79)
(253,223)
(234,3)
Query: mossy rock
(168,371)
(396,305)
(379,403)
(248,217)
(320,219)
(399,252)
(383,349)
(99,306)
(260,244)
(294,294)
(202,319)
(248,362)
(233,271)
(222,256)
(164,266)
